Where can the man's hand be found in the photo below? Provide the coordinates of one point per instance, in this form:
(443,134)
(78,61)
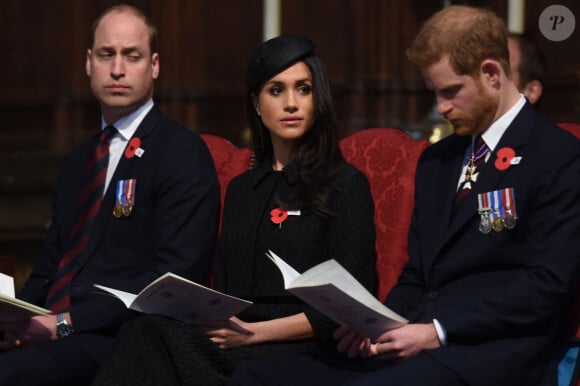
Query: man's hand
(28,332)
(401,343)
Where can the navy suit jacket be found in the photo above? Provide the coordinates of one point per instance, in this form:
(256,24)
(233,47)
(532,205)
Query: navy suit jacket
(172,226)
(501,295)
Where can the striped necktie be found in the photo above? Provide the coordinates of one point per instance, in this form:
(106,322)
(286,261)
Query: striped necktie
(87,208)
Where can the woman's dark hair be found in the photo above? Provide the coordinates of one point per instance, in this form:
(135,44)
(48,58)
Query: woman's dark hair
(315,157)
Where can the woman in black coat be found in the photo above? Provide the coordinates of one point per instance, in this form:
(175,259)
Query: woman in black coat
(301,200)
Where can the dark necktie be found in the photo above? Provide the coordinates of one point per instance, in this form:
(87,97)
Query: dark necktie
(87,208)
(474,161)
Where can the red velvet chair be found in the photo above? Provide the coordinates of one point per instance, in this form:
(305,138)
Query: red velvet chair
(388,158)
(229,160)
(573,128)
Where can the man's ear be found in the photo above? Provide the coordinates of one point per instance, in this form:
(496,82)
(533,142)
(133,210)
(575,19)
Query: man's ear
(491,71)
(533,91)
(88,63)
(155,65)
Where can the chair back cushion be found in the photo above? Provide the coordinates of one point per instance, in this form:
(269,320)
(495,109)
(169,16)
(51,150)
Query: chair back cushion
(229,160)
(573,128)
(388,158)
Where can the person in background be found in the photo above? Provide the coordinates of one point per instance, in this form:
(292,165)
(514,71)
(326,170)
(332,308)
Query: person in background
(527,66)
(494,253)
(301,200)
(138,200)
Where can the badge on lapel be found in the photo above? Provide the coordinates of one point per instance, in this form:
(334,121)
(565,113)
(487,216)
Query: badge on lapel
(133,148)
(506,156)
(124,198)
(279,215)
(497,210)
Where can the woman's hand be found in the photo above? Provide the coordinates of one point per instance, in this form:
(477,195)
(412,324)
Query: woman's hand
(229,334)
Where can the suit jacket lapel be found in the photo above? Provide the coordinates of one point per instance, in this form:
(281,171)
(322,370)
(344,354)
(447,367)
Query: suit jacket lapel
(146,127)
(490,177)
(445,185)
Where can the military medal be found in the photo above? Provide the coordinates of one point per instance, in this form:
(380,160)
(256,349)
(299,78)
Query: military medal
(127,209)
(118,211)
(496,203)
(509,203)
(497,210)
(484,213)
(125,198)
(474,159)
(129,194)
(497,223)
(470,170)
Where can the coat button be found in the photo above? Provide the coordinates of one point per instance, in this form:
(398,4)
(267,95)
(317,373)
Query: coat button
(432,294)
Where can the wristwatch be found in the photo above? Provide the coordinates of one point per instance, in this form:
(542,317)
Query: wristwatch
(62,327)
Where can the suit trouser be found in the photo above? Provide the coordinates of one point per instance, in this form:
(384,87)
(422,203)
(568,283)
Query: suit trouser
(73,360)
(329,368)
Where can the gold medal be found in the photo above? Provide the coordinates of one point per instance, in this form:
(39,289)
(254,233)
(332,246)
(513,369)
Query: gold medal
(497,224)
(127,209)
(118,211)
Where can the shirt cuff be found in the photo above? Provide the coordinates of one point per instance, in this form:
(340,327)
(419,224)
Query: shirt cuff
(441,333)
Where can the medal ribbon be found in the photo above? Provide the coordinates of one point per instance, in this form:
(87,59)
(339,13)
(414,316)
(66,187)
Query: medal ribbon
(483,200)
(498,209)
(120,192)
(509,201)
(130,196)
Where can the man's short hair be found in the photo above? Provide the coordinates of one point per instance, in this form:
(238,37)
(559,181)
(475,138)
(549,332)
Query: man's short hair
(468,34)
(137,12)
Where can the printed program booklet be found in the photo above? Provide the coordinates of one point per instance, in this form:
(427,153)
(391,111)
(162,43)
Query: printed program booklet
(13,309)
(332,290)
(178,298)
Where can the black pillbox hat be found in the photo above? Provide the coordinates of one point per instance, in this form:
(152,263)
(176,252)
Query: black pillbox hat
(274,56)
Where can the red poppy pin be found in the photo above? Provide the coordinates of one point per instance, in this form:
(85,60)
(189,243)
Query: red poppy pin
(506,156)
(134,149)
(279,215)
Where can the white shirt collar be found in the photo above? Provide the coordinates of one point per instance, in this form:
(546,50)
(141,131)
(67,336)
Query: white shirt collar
(127,126)
(494,133)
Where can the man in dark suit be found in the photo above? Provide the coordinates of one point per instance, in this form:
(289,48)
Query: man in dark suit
(493,246)
(155,210)
(527,66)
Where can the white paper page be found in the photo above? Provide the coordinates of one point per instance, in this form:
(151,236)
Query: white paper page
(182,299)
(6,285)
(364,318)
(125,297)
(289,274)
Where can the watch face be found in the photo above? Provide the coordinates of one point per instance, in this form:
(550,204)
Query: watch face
(62,327)
(63,330)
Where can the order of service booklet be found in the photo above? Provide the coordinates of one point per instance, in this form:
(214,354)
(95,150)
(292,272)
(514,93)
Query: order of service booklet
(178,298)
(332,290)
(13,309)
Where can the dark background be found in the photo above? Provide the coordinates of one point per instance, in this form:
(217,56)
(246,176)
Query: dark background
(46,106)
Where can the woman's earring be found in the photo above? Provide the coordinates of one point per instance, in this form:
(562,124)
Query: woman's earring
(258,112)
